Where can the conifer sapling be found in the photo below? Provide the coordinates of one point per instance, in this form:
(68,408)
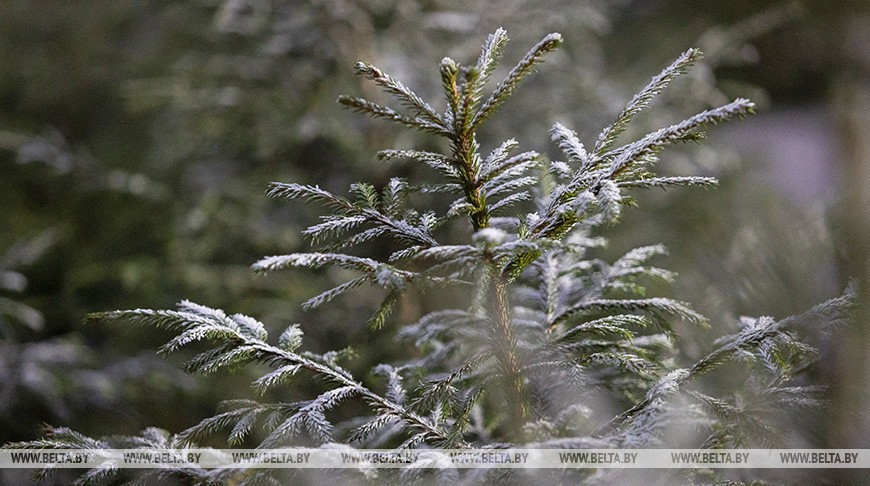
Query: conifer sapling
(552,348)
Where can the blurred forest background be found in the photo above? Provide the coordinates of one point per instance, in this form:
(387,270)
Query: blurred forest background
(137,139)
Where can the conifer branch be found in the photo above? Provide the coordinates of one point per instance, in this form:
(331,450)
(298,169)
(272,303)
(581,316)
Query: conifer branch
(751,339)
(406,96)
(525,67)
(375,110)
(642,99)
(244,341)
(650,144)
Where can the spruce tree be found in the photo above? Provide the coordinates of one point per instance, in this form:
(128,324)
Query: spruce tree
(546,347)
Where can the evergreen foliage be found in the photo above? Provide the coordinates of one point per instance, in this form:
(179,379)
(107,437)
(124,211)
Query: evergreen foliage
(551,348)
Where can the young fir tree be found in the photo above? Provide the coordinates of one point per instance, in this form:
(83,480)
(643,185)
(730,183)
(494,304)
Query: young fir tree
(550,340)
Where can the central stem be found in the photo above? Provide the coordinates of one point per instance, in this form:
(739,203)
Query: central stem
(465,153)
(500,330)
(505,350)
